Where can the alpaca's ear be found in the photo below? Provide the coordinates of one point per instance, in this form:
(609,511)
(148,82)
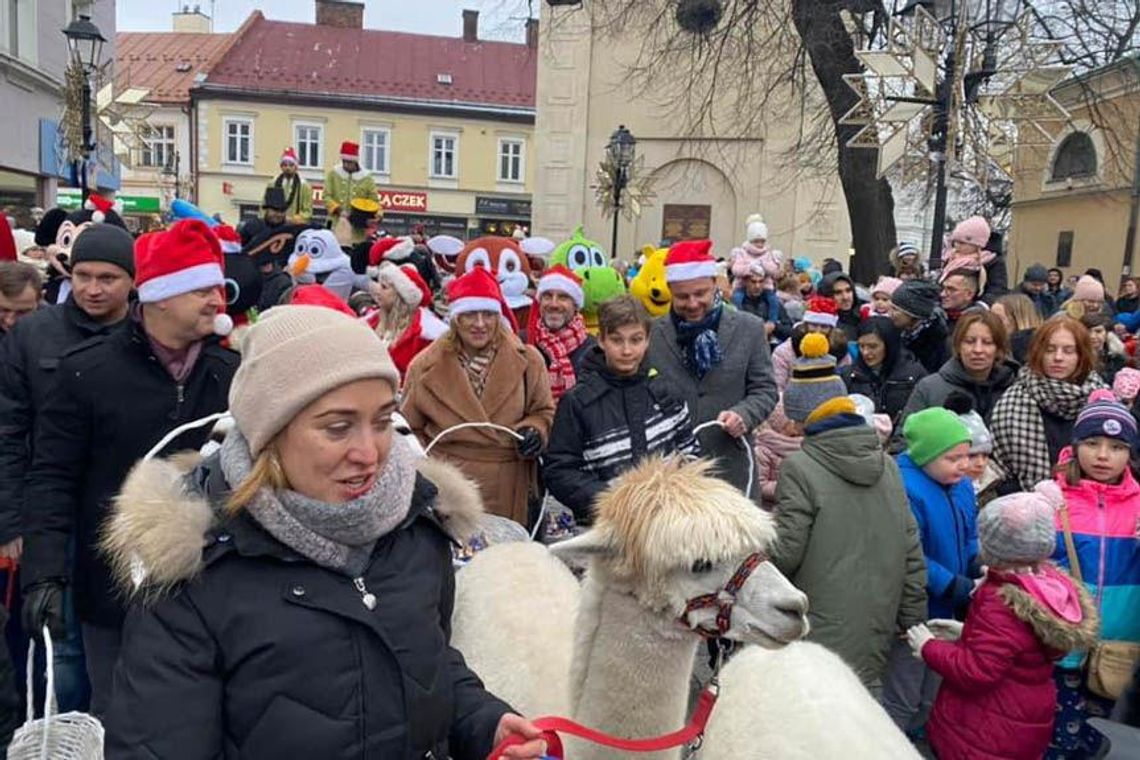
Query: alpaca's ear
(580,549)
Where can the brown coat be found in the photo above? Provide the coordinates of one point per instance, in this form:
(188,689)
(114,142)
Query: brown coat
(438,395)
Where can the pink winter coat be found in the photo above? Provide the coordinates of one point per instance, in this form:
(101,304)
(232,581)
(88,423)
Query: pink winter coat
(747,259)
(771,447)
(997,696)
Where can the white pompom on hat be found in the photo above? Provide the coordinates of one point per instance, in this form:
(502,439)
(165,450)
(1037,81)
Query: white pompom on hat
(755,228)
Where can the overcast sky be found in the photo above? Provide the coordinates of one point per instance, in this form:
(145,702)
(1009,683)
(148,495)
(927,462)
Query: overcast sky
(499,19)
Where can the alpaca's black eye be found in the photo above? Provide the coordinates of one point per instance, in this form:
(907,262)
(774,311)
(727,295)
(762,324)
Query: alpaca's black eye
(702,566)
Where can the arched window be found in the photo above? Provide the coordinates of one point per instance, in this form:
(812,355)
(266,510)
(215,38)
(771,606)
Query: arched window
(1076,157)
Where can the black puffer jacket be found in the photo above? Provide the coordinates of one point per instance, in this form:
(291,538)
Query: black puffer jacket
(932,390)
(604,425)
(28,361)
(889,387)
(247,649)
(112,402)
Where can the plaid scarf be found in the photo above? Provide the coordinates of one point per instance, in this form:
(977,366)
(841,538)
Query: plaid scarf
(1020,443)
(558,346)
(477,366)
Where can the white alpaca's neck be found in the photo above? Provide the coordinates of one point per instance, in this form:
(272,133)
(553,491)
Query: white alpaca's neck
(628,678)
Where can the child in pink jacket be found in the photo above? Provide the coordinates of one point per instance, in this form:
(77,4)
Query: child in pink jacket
(776,439)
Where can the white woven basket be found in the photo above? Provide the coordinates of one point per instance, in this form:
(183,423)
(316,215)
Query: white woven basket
(71,736)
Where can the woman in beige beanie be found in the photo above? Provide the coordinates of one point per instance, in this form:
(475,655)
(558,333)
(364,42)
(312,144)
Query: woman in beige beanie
(293,592)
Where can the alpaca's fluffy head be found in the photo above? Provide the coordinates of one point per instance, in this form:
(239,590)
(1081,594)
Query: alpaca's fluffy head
(669,531)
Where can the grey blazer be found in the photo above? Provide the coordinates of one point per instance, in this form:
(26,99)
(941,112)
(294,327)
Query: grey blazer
(743,383)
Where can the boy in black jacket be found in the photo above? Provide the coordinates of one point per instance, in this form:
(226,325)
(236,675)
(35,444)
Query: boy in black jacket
(619,412)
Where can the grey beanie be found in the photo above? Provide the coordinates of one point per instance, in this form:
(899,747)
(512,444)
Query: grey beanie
(813,379)
(1036,273)
(916,297)
(1017,529)
(109,243)
(981,440)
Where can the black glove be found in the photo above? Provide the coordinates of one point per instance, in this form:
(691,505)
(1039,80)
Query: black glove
(43,605)
(530,446)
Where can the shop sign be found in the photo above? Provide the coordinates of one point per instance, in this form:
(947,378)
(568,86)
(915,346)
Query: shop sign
(390,200)
(69,198)
(685,222)
(513,207)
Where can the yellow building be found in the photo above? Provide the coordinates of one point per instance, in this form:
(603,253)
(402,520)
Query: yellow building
(445,125)
(1074,200)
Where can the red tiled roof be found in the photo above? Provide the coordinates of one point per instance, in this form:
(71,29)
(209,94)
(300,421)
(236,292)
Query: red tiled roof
(166,63)
(310,59)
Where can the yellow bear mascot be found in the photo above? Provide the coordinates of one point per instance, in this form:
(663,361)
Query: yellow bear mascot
(649,286)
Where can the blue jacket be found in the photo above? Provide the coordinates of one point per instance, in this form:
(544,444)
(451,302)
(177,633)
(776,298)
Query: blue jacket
(947,525)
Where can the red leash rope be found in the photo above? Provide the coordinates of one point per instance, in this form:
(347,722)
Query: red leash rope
(692,731)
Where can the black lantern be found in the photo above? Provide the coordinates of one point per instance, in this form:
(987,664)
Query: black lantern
(622,147)
(85,42)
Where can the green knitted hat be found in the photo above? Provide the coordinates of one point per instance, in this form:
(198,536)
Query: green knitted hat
(931,433)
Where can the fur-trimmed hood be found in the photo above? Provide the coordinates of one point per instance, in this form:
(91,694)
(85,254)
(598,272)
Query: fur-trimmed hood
(160,523)
(1049,628)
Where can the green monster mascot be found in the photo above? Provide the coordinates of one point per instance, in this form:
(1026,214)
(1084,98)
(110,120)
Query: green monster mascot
(600,281)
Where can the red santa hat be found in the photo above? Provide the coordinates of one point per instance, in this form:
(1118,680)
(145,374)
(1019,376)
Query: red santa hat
(406,280)
(349,151)
(182,259)
(228,237)
(390,249)
(478,290)
(559,277)
(319,295)
(822,310)
(689,260)
(289,156)
(98,206)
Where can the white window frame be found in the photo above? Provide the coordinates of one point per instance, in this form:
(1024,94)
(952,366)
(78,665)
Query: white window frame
(385,168)
(443,135)
(226,123)
(319,159)
(520,143)
(166,145)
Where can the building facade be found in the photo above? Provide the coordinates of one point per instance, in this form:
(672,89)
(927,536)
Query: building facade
(1075,200)
(33,58)
(704,186)
(445,125)
(165,65)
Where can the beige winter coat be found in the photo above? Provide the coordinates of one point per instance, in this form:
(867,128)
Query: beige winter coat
(438,395)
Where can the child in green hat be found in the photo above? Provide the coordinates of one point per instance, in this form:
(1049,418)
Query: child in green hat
(934,472)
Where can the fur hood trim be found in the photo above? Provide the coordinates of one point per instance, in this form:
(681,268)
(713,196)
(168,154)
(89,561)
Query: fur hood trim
(158,526)
(1054,632)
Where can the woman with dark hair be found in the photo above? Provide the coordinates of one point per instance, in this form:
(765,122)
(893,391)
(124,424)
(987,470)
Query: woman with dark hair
(885,372)
(981,368)
(1128,299)
(1033,421)
(1107,348)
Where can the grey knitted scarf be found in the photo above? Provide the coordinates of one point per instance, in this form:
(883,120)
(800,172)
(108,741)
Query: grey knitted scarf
(339,537)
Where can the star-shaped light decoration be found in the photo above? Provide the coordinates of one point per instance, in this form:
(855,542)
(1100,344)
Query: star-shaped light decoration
(127,116)
(1014,107)
(635,195)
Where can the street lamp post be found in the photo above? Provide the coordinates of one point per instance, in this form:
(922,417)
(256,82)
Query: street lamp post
(85,45)
(620,150)
(173,169)
(994,17)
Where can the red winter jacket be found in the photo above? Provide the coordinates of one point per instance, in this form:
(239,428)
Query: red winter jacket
(997,696)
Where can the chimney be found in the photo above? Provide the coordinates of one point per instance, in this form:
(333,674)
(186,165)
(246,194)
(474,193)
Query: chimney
(341,14)
(532,33)
(194,21)
(470,26)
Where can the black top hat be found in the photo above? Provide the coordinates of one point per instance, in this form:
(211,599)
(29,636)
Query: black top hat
(275,199)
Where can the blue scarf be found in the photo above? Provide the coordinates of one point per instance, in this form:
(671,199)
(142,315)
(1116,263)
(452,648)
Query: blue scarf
(699,340)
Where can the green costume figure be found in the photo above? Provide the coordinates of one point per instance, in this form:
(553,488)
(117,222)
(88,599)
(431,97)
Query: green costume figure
(600,281)
(343,185)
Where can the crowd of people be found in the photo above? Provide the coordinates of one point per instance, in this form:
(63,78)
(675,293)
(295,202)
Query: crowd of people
(949,464)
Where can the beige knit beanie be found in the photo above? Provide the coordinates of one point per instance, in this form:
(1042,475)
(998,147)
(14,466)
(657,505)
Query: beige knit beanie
(293,356)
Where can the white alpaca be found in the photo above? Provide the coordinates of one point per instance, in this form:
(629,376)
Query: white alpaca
(664,533)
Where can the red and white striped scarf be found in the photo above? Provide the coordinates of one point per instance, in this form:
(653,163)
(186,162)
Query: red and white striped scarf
(558,346)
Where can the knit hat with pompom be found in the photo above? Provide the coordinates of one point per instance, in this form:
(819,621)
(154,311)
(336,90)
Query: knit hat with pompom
(1104,416)
(813,380)
(1017,529)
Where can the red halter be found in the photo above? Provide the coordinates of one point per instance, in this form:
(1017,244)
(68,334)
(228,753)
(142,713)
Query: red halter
(723,599)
